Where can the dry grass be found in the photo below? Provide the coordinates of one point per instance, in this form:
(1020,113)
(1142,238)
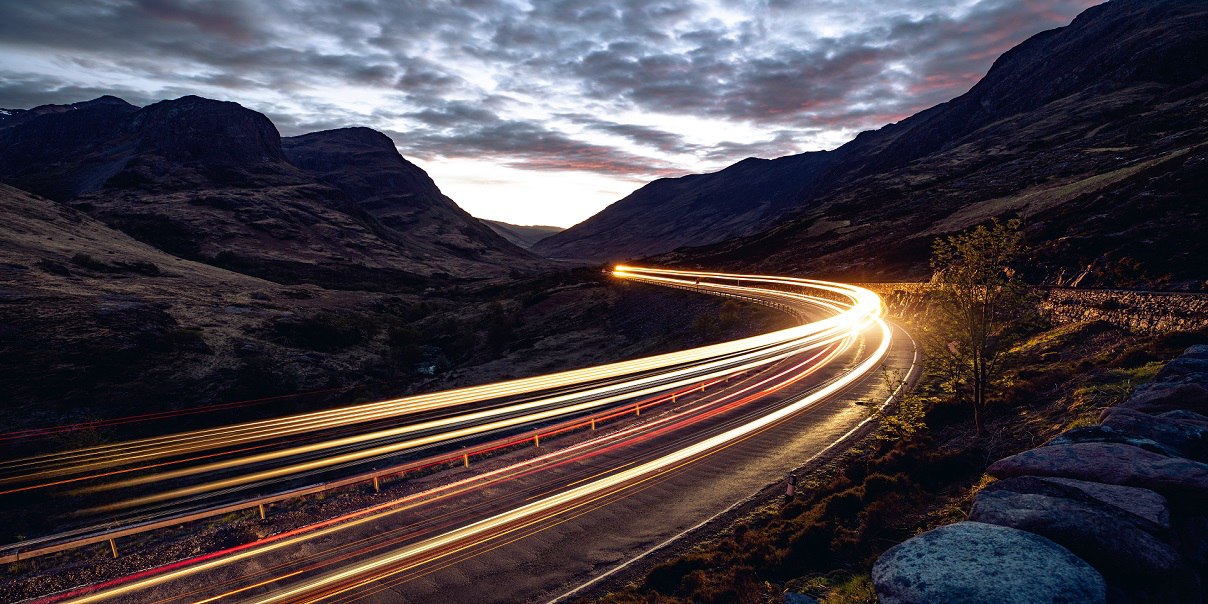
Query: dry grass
(1036,200)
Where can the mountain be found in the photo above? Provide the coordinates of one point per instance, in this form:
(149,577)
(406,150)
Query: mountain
(97,324)
(212,181)
(399,197)
(522,235)
(691,210)
(1092,133)
(91,313)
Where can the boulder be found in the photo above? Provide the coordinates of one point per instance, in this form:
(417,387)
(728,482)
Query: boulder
(1111,463)
(1188,438)
(1111,541)
(1151,507)
(974,562)
(1186,416)
(1182,366)
(1198,351)
(1107,434)
(1143,507)
(1188,393)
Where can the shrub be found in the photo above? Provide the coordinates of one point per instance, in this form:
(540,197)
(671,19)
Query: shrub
(878,484)
(666,578)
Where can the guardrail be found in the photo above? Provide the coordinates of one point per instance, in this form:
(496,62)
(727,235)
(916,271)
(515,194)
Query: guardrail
(17,552)
(92,535)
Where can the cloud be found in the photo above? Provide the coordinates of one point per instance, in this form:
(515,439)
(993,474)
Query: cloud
(627,88)
(463,130)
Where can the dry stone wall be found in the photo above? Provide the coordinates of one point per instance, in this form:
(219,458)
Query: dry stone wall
(1136,311)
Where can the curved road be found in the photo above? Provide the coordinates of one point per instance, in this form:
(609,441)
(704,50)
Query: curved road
(546,527)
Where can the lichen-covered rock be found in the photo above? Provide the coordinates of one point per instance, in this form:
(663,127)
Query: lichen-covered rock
(977,563)
(1111,463)
(1143,507)
(1168,395)
(1110,540)
(1181,366)
(1189,438)
(1108,434)
(1186,416)
(797,598)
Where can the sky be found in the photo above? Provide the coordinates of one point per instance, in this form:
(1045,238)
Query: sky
(531,112)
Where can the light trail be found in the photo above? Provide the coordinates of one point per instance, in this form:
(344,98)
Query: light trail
(106,456)
(124,453)
(522,516)
(853,311)
(379,512)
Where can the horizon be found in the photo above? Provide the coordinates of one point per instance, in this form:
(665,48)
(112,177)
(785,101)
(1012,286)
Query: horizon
(543,116)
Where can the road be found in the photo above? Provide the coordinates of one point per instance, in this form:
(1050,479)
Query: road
(539,528)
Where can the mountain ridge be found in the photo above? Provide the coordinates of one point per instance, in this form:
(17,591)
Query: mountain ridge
(523,235)
(1121,57)
(211,181)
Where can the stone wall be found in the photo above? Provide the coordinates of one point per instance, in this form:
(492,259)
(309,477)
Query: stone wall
(1138,312)
(1116,512)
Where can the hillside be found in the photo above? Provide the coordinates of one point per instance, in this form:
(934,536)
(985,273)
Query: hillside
(1089,132)
(96,324)
(211,181)
(524,236)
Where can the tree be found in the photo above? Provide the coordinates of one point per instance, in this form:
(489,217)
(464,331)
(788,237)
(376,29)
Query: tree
(980,308)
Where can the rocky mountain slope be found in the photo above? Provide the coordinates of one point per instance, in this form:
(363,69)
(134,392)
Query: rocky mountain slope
(399,199)
(1092,133)
(96,324)
(212,181)
(524,236)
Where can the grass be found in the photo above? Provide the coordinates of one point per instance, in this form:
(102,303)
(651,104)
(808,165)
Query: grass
(1043,198)
(855,590)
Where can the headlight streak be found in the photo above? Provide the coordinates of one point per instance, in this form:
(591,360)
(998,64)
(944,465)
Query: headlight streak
(135,452)
(376,513)
(523,515)
(781,352)
(124,453)
(861,311)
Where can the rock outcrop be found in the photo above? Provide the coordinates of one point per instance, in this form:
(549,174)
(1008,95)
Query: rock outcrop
(1126,496)
(977,563)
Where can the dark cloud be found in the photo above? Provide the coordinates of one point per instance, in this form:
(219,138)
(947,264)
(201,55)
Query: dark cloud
(534,85)
(662,140)
(23,91)
(460,130)
(783,142)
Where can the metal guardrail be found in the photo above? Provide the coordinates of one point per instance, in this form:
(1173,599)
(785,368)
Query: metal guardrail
(18,551)
(15,552)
